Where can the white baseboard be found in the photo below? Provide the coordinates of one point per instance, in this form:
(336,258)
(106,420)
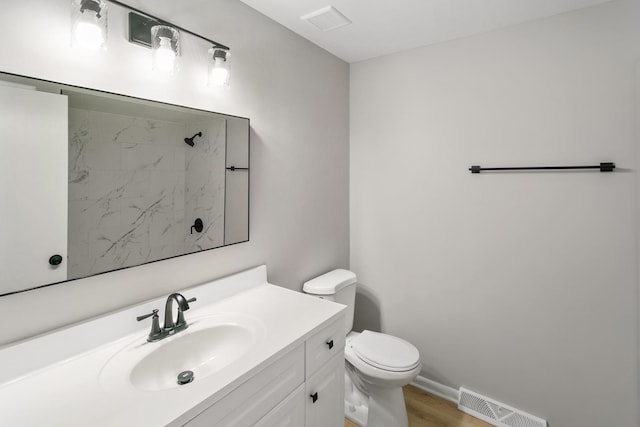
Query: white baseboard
(440,390)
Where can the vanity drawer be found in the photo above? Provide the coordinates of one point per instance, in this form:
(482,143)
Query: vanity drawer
(248,403)
(324,344)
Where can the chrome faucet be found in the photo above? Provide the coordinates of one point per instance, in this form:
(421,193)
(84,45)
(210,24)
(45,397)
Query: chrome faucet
(170,327)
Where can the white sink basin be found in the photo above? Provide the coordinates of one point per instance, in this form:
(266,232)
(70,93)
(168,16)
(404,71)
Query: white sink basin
(202,352)
(208,345)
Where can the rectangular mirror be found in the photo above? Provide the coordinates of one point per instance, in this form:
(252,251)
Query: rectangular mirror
(96,182)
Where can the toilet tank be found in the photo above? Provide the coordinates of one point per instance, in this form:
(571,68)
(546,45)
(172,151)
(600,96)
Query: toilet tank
(339,286)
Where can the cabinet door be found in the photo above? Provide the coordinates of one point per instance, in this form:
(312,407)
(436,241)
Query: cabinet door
(33,210)
(253,399)
(325,395)
(289,413)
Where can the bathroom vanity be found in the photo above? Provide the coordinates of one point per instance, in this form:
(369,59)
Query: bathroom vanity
(261,355)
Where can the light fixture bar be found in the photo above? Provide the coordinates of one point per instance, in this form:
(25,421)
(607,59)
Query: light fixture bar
(163,22)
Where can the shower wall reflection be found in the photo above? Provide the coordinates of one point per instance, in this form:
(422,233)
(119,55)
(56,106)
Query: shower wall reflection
(136,187)
(205,185)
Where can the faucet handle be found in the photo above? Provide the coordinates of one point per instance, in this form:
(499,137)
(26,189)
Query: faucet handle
(154,313)
(156,332)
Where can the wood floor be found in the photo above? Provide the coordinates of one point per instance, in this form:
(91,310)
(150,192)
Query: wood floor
(427,410)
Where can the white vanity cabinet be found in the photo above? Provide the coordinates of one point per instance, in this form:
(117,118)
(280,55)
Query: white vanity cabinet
(325,376)
(305,387)
(294,350)
(319,402)
(300,409)
(249,402)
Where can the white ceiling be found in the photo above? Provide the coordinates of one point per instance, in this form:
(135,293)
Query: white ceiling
(381,27)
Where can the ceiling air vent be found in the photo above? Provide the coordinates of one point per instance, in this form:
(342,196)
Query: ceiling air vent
(327,18)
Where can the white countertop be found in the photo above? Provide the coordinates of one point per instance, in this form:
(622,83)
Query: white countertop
(68,392)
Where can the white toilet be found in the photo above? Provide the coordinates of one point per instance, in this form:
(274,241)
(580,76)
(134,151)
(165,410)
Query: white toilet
(377,365)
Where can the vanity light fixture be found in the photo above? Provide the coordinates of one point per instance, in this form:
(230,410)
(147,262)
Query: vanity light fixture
(164,39)
(165,48)
(219,70)
(89,30)
(89,24)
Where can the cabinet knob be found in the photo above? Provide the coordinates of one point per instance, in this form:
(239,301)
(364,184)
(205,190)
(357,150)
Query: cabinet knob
(314,397)
(330,344)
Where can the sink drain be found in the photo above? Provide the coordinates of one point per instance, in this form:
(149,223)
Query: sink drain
(185,377)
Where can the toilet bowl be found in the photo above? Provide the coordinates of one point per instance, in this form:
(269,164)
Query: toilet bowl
(377,365)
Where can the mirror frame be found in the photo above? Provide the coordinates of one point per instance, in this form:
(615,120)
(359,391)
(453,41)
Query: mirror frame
(159,104)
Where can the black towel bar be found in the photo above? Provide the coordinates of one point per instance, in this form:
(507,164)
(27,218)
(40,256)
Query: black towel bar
(603,167)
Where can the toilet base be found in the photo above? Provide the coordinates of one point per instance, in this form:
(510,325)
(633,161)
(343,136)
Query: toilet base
(356,403)
(356,413)
(381,407)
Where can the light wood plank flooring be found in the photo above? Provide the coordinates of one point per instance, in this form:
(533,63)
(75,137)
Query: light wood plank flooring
(427,410)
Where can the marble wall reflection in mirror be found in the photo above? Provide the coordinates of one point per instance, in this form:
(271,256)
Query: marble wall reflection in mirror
(108,181)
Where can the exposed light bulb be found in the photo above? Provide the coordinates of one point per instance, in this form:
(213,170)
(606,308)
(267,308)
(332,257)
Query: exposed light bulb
(89,24)
(219,74)
(165,45)
(164,59)
(88,35)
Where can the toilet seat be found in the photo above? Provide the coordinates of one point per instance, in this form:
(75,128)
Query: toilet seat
(385,352)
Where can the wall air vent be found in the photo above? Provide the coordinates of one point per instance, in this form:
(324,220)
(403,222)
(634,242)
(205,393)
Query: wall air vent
(495,413)
(327,18)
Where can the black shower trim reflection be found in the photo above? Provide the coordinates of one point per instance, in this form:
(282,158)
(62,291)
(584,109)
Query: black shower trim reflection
(189,141)
(198,225)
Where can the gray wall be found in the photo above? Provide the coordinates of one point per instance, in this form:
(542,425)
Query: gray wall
(521,286)
(296,95)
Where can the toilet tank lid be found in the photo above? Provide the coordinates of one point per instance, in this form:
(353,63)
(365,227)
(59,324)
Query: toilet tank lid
(330,283)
